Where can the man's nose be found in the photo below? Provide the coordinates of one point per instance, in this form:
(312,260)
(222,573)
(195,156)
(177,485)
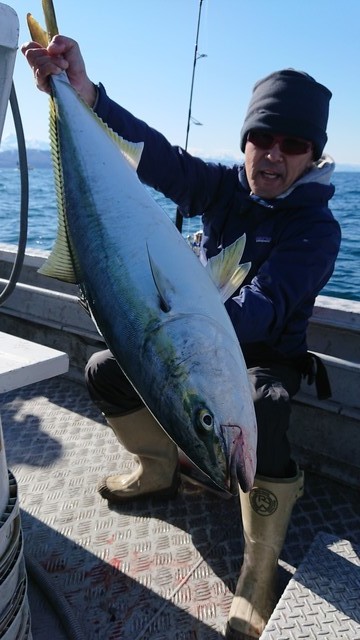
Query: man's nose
(274,153)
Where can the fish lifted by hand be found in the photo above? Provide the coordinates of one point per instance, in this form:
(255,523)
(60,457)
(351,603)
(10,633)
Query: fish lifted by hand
(160,312)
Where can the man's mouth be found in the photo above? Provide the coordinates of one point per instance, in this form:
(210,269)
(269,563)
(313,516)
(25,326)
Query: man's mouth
(270,175)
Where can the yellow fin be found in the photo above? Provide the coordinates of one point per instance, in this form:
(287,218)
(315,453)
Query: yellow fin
(131,150)
(37,33)
(59,264)
(225,270)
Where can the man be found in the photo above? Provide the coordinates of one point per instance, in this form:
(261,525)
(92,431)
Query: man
(279,198)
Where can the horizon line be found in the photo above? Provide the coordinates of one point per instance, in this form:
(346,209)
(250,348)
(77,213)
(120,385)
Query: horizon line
(205,156)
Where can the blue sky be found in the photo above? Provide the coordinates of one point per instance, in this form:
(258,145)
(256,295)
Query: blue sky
(142,51)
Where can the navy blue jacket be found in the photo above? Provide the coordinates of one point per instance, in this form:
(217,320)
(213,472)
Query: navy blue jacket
(291,241)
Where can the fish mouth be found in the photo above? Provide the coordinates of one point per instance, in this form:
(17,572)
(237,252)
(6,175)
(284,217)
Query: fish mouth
(242,463)
(190,472)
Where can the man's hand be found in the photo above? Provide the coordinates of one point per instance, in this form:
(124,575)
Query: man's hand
(62,54)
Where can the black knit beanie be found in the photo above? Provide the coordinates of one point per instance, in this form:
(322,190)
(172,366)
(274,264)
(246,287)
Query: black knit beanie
(292,103)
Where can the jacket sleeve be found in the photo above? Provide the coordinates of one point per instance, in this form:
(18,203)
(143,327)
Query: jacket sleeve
(188,181)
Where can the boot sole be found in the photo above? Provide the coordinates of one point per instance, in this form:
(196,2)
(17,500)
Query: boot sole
(121,498)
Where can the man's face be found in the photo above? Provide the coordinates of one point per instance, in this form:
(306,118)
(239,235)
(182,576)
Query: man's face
(270,171)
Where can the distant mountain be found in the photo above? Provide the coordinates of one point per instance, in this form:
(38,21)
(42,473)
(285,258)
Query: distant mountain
(36,158)
(10,144)
(39,155)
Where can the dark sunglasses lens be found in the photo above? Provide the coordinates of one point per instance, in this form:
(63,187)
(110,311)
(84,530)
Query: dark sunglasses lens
(294,146)
(290,146)
(261,139)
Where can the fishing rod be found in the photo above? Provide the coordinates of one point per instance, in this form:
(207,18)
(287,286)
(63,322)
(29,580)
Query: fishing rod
(179,217)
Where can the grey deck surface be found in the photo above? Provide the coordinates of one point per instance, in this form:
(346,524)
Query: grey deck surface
(322,599)
(153,571)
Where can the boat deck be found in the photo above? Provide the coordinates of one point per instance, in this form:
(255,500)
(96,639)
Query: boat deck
(149,570)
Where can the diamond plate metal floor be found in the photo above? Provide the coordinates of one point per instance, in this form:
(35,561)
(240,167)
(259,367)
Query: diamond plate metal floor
(322,600)
(147,571)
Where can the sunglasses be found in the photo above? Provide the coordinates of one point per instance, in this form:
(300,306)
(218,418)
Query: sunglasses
(290,146)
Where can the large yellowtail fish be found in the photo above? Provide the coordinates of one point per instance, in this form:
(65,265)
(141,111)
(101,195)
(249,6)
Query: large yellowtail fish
(158,309)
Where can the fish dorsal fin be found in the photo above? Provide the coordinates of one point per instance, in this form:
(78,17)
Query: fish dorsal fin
(225,270)
(161,282)
(131,151)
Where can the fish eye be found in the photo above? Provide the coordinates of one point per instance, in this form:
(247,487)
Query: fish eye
(205,421)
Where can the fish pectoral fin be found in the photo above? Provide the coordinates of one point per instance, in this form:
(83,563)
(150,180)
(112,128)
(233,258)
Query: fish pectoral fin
(225,270)
(161,282)
(235,281)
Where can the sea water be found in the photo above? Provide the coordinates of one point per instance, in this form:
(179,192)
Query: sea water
(42,221)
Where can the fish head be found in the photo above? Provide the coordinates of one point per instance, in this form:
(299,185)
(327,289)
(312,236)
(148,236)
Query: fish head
(205,403)
(229,449)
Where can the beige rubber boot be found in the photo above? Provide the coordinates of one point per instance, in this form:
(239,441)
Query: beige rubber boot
(157,473)
(266,512)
